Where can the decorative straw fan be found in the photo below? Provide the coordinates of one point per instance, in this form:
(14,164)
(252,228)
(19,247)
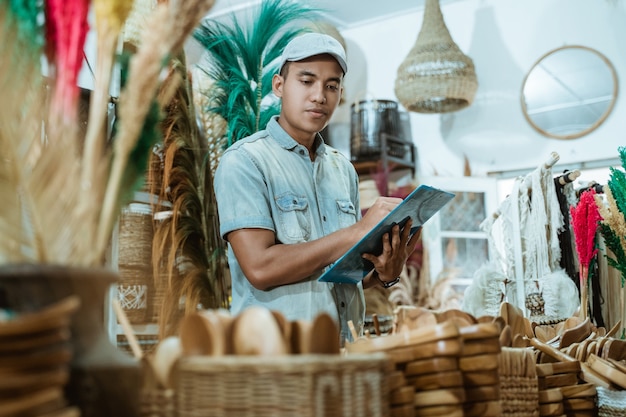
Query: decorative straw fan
(436,76)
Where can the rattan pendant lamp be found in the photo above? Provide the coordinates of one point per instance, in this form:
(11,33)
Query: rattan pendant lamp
(436,76)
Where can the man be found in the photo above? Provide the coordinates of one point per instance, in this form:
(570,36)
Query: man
(289,204)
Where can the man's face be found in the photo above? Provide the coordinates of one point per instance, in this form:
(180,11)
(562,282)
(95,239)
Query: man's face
(310,91)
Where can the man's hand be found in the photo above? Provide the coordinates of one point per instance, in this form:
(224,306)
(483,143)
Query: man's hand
(398,245)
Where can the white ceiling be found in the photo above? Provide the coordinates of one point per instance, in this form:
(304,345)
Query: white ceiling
(344,14)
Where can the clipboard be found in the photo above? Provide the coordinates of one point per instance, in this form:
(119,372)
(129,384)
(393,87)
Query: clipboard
(420,205)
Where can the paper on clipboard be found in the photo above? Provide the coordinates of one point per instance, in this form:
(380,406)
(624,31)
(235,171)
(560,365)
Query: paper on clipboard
(420,205)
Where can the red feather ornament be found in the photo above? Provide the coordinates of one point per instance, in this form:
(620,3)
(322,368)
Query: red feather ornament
(585,218)
(66,31)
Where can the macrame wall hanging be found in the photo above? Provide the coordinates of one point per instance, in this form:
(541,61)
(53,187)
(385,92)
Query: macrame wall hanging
(436,76)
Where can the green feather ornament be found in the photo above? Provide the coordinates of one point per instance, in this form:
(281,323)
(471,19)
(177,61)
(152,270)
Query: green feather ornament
(242,58)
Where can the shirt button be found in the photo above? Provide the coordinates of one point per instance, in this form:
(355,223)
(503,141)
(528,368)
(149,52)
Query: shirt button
(343,305)
(301,152)
(324,218)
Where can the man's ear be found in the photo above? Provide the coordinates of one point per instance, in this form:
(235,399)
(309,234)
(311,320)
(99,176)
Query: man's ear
(277,85)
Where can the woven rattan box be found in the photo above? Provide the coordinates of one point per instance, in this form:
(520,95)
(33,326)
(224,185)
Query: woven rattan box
(283,386)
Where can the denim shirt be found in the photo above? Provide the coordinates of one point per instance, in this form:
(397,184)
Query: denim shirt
(268,181)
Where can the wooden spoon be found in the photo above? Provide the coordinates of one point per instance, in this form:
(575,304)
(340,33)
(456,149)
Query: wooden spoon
(575,334)
(324,337)
(201,333)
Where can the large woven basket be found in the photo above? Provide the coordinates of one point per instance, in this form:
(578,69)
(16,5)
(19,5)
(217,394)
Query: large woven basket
(284,386)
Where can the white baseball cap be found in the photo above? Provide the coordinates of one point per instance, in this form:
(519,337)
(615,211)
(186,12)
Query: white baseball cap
(311,44)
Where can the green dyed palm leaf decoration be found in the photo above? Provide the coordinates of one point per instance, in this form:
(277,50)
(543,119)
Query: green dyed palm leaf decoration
(613,242)
(241,61)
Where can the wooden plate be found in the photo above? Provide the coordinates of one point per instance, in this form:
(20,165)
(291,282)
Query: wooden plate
(34,341)
(65,412)
(39,360)
(478,362)
(439,410)
(483,409)
(579,391)
(480,331)
(401,355)
(395,380)
(552,395)
(482,393)
(593,377)
(607,370)
(427,366)
(24,405)
(440,348)
(449,396)
(449,379)
(52,317)
(480,378)
(402,395)
(560,380)
(405,410)
(413,337)
(574,404)
(551,409)
(33,381)
(480,347)
(544,369)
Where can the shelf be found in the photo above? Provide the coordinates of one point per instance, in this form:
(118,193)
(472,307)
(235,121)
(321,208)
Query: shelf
(388,163)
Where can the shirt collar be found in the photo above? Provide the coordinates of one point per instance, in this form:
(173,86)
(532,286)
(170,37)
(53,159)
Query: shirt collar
(289,143)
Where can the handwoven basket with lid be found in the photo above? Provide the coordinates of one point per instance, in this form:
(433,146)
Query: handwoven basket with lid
(436,76)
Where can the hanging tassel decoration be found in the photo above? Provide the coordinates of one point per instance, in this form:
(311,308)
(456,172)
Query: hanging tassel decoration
(585,217)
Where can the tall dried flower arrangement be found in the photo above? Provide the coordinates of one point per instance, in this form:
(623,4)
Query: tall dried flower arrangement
(613,225)
(62,192)
(585,218)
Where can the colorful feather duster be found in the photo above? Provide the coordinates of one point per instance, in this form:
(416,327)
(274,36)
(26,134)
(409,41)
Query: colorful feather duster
(585,217)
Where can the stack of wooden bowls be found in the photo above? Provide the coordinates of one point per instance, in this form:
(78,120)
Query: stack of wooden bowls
(479,365)
(34,361)
(426,379)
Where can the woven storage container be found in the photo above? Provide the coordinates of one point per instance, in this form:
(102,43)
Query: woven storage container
(134,293)
(519,386)
(611,403)
(135,236)
(283,386)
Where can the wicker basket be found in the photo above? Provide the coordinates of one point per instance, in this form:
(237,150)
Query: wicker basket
(283,386)
(436,76)
(519,386)
(134,292)
(611,403)
(135,236)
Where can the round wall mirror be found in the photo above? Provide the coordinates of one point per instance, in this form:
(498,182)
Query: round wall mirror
(569,92)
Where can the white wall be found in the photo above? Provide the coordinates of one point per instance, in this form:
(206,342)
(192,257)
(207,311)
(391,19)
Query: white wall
(504,38)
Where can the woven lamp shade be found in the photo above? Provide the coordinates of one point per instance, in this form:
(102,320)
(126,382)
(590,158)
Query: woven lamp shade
(436,76)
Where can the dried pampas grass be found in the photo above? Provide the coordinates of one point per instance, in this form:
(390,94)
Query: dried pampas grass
(60,204)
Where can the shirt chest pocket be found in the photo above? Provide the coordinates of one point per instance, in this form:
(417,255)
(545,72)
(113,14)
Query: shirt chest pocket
(346,213)
(293,220)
